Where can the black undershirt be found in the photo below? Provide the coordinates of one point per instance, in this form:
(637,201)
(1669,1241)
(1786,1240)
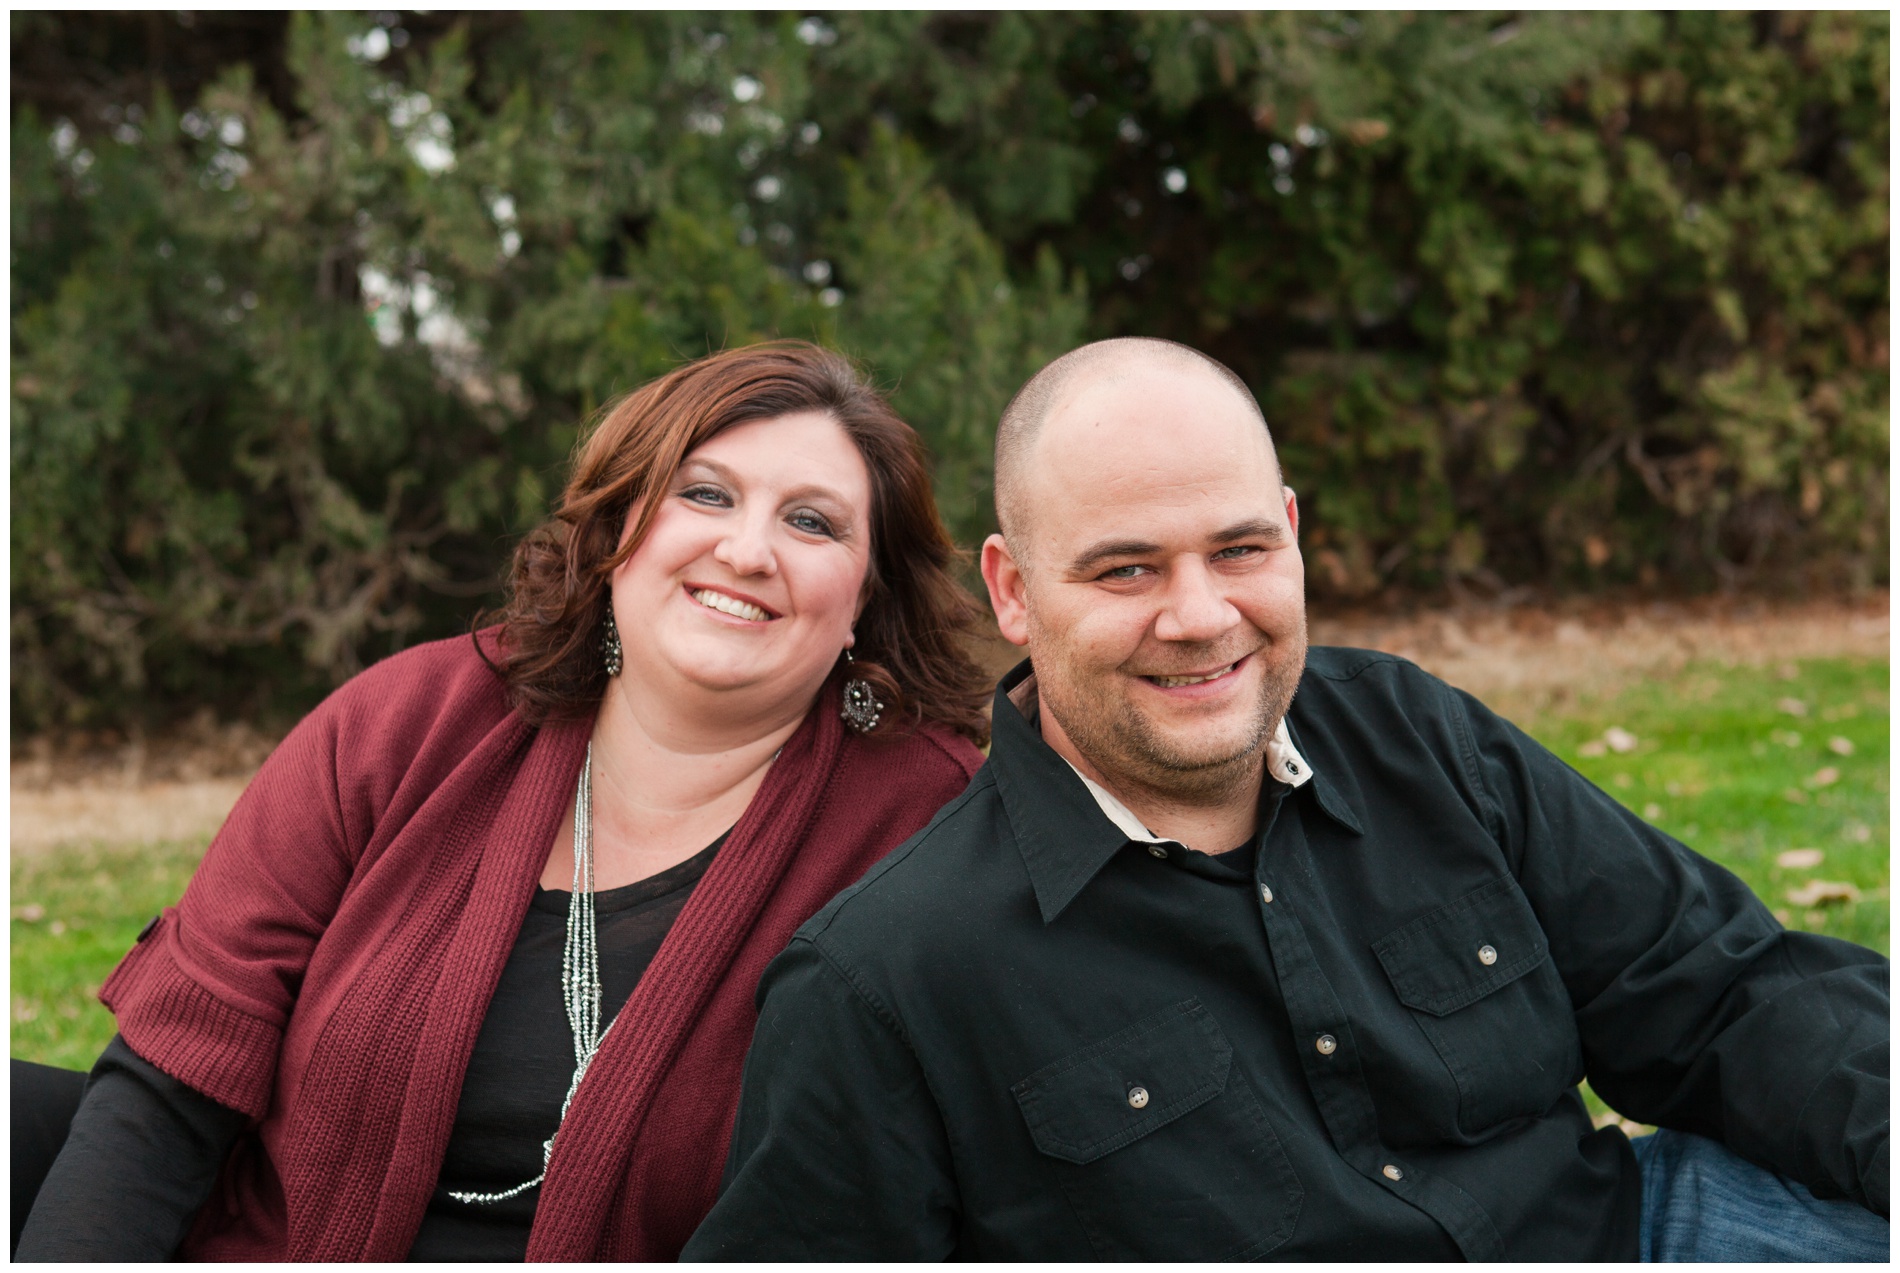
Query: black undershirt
(524,1060)
(145,1149)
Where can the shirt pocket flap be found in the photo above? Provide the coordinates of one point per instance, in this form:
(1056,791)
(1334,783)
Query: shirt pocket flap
(1464,950)
(1115,1091)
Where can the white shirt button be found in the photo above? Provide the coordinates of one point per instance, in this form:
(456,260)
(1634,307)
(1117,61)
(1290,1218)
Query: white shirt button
(1138,1097)
(1392,1172)
(1326,1044)
(1156,851)
(1487,955)
(1266,894)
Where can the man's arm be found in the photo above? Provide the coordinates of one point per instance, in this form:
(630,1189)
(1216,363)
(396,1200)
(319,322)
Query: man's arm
(1696,1009)
(839,1152)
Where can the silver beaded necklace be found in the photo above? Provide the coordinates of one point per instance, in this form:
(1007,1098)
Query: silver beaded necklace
(580,973)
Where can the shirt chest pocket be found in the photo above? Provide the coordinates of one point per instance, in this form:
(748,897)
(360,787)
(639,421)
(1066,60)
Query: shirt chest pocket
(1477,975)
(1161,1145)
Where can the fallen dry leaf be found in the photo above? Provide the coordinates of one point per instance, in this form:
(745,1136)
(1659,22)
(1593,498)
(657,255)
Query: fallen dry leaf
(1799,859)
(1825,777)
(1792,706)
(1619,740)
(1823,893)
(1594,747)
(1840,746)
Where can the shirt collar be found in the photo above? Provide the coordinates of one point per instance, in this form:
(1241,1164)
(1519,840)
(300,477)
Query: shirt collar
(1067,827)
(1283,762)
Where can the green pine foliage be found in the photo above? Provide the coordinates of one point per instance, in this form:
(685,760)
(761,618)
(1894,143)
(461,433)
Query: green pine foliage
(1571,300)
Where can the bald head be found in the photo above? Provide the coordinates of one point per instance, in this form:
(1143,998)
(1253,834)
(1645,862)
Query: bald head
(1096,365)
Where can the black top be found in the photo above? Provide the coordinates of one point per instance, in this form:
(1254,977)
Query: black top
(145,1149)
(139,1160)
(1023,1037)
(524,1059)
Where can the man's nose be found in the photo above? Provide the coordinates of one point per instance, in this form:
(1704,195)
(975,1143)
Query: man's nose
(1194,608)
(746,548)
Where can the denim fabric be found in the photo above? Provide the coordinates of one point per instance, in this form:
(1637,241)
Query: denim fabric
(1703,1203)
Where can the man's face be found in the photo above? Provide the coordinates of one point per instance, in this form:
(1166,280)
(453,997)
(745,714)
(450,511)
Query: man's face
(1162,597)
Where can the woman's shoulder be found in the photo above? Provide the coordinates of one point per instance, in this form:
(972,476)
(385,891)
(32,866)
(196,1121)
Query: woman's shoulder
(411,719)
(928,761)
(451,684)
(939,746)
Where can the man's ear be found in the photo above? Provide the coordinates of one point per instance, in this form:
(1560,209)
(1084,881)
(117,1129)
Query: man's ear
(1004,578)
(1292,509)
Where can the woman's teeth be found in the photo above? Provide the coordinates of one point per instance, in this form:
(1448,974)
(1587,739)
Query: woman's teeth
(729,605)
(1175,682)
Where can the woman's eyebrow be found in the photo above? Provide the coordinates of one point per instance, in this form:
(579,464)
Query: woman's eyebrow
(700,462)
(813,490)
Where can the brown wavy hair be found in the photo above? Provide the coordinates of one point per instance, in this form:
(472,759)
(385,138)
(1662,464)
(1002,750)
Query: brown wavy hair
(911,636)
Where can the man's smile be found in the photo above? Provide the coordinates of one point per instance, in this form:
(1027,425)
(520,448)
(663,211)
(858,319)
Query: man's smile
(1182,680)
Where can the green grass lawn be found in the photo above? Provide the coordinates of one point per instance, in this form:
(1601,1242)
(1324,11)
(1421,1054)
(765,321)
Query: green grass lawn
(1743,765)
(75,914)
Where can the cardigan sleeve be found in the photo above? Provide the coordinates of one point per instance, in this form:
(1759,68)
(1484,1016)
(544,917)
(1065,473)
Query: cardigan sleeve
(206,992)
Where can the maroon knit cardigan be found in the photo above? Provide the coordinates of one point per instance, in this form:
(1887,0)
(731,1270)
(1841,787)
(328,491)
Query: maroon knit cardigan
(329,966)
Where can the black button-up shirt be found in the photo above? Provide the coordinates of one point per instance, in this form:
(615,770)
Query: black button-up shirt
(1025,1036)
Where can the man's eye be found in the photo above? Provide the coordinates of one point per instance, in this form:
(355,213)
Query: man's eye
(1236,552)
(1122,572)
(809,522)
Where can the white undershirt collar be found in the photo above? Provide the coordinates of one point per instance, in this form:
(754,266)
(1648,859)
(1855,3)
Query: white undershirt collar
(1283,762)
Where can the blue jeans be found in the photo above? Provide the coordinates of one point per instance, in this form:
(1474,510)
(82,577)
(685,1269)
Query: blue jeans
(1701,1202)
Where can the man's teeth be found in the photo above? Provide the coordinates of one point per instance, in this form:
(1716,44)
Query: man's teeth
(729,605)
(1175,682)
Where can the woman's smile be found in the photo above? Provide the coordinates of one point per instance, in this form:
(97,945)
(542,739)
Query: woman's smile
(729,604)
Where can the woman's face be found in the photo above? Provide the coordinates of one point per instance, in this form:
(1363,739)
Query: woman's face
(752,572)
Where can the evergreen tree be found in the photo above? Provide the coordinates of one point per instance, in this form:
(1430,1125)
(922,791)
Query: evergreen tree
(308,311)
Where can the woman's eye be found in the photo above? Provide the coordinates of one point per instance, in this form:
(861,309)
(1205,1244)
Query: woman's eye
(705,495)
(809,522)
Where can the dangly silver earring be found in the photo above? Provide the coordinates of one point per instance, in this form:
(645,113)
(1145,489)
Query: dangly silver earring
(610,646)
(861,709)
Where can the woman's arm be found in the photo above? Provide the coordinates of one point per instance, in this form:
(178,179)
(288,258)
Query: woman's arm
(141,1158)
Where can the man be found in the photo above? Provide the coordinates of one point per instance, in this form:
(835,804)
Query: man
(1199,968)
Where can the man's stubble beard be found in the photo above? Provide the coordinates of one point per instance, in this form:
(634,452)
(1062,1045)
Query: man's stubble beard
(1122,743)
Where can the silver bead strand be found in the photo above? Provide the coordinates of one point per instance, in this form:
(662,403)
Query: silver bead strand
(580,973)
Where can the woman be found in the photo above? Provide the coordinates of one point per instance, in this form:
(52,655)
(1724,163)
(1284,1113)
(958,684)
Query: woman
(728,680)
